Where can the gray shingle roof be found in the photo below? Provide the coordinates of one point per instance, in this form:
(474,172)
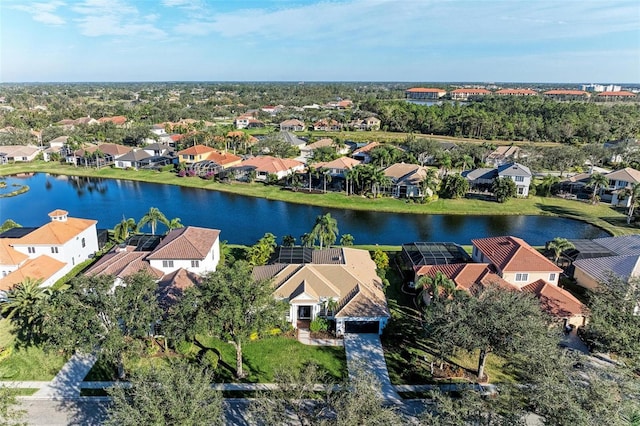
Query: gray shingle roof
(600,268)
(622,246)
(513,169)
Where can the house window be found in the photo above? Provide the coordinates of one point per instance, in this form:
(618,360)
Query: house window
(31,250)
(167,263)
(519,178)
(520,190)
(522,277)
(552,277)
(195,263)
(54,250)
(83,243)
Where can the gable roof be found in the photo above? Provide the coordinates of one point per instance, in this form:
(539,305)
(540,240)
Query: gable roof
(9,255)
(186,243)
(339,163)
(514,169)
(511,254)
(320,143)
(365,149)
(135,155)
(627,175)
(600,267)
(223,158)
(42,267)
(425,90)
(466,275)
(554,300)
(122,263)
(408,173)
(118,120)
(172,286)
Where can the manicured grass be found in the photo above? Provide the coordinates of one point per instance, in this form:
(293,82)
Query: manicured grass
(602,215)
(261,358)
(30,363)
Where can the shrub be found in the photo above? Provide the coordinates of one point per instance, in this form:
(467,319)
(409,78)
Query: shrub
(318,325)
(182,173)
(184,347)
(167,168)
(211,359)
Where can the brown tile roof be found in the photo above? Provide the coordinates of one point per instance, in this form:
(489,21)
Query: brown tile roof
(190,242)
(196,150)
(511,254)
(42,267)
(56,232)
(555,300)
(320,143)
(114,149)
(9,255)
(224,158)
(270,164)
(172,286)
(466,275)
(368,147)
(627,175)
(123,262)
(516,92)
(620,93)
(118,120)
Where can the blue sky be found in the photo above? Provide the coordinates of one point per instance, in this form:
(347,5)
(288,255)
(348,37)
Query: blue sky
(344,40)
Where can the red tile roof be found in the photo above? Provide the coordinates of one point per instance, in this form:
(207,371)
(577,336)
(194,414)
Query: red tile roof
(516,92)
(555,300)
(186,243)
(466,275)
(56,232)
(118,120)
(224,158)
(123,262)
(269,164)
(196,150)
(566,92)
(621,93)
(511,254)
(42,267)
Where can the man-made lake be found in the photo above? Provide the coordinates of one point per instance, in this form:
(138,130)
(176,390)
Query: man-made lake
(243,220)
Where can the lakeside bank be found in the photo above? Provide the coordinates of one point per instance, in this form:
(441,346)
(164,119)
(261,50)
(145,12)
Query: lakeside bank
(600,215)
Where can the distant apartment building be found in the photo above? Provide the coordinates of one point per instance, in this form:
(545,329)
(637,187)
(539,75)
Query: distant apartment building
(465,94)
(424,94)
(600,88)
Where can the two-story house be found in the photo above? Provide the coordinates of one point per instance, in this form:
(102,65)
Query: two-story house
(618,181)
(406,180)
(520,174)
(195,153)
(293,125)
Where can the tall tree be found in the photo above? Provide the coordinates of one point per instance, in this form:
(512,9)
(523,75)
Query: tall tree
(490,322)
(454,186)
(558,246)
(174,223)
(179,394)
(153,217)
(438,287)
(633,193)
(24,306)
(228,304)
(346,240)
(325,230)
(260,252)
(503,188)
(123,230)
(288,241)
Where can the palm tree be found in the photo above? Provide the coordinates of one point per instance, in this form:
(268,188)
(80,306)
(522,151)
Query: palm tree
(438,287)
(152,217)
(306,240)
(174,223)
(558,246)
(633,193)
(346,240)
(24,306)
(547,183)
(326,177)
(429,182)
(288,241)
(597,181)
(325,230)
(123,230)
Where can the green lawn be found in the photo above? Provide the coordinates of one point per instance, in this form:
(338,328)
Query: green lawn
(602,215)
(30,363)
(261,358)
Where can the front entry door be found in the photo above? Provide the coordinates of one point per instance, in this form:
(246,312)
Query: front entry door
(304,312)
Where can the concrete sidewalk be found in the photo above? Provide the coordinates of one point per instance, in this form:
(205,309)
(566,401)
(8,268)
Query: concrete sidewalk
(364,352)
(67,382)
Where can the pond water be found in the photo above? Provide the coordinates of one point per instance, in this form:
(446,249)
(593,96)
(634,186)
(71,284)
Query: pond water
(243,220)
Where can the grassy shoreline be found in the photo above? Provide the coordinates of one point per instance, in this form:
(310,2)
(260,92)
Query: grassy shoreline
(600,215)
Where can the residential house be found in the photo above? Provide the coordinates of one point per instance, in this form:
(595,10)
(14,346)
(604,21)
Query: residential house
(224,159)
(159,149)
(118,120)
(307,150)
(194,154)
(134,159)
(616,96)
(618,181)
(515,261)
(614,256)
(100,155)
(340,284)
(247,121)
(265,165)
(503,154)
(51,250)
(293,125)
(482,178)
(466,94)
(516,92)
(363,154)
(340,104)
(406,180)
(327,125)
(370,123)
(567,95)
(424,94)
(338,167)
(18,153)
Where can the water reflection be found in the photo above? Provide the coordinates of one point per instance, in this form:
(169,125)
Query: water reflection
(244,220)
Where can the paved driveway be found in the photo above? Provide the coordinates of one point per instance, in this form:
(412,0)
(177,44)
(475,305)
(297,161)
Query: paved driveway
(364,352)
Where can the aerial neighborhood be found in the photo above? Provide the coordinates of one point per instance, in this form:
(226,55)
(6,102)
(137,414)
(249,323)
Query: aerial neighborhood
(511,310)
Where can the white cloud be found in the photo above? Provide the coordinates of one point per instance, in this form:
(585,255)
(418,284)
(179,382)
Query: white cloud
(115,18)
(43,12)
